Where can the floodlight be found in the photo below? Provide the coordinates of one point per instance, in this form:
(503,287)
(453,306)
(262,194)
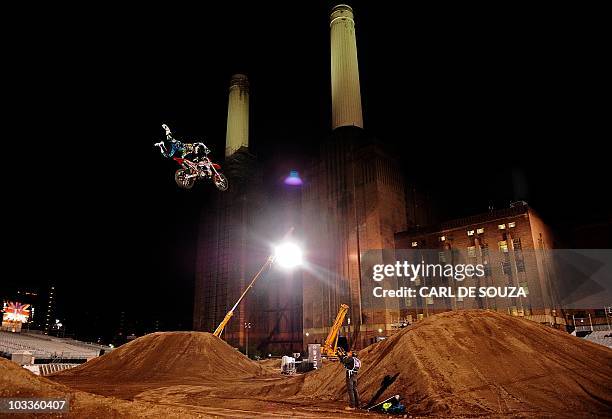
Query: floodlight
(288,255)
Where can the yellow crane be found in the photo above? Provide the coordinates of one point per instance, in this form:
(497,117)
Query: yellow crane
(230,313)
(330,347)
(265,267)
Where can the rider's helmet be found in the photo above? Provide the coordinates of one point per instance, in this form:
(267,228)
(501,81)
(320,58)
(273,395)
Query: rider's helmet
(201,148)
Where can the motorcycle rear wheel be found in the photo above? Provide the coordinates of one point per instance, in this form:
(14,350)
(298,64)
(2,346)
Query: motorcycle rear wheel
(221,182)
(181,179)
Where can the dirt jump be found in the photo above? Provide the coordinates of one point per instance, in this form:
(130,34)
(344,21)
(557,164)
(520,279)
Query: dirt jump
(464,363)
(19,382)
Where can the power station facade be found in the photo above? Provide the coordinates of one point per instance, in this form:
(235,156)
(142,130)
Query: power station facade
(353,200)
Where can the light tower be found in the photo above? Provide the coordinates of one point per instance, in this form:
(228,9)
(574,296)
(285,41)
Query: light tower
(237,134)
(346,95)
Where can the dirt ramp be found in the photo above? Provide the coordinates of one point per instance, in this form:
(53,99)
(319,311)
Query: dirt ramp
(480,363)
(168,356)
(458,364)
(17,382)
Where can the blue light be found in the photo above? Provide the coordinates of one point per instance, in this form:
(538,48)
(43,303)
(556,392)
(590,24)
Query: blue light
(293,179)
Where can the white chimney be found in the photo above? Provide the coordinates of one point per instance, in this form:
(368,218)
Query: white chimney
(237,134)
(346,95)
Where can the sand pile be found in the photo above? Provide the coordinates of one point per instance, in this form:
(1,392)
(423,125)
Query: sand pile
(273,363)
(18,382)
(168,356)
(479,362)
(464,363)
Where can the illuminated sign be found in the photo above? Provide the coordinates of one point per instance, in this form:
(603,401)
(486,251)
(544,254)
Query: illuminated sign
(16,312)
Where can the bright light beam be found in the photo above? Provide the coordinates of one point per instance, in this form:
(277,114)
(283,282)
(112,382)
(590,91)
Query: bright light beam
(288,255)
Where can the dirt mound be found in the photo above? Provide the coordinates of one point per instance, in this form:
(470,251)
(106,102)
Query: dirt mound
(168,356)
(18,382)
(273,363)
(479,363)
(463,363)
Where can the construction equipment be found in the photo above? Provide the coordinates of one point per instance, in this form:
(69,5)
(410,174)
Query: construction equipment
(330,348)
(267,265)
(230,313)
(288,365)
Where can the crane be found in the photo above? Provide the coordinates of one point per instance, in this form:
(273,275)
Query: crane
(230,313)
(267,265)
(330,347)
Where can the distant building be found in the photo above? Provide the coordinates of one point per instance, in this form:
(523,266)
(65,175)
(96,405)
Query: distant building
(37,306)
(49,319)
(353,199)
(42,305)
(513,245)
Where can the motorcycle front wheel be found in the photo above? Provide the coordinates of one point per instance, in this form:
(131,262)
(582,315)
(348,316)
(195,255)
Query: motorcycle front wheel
(220,182)
(181,179)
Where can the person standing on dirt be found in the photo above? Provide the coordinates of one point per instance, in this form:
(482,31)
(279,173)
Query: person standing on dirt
(351,364)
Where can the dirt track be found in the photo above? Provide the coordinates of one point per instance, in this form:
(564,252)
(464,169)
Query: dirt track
(19,382)
(469,363)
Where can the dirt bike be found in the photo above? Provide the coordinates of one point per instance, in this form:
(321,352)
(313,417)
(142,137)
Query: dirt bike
(201,168)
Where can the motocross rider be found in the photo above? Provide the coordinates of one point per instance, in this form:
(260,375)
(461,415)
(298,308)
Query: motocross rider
(184,149)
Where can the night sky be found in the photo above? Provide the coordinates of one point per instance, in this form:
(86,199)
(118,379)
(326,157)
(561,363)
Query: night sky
(483,106)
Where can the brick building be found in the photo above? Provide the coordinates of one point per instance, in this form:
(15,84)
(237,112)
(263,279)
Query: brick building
(511,243)
(354,202)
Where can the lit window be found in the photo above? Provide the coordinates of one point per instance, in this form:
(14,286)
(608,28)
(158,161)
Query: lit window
(502,226)
(470,232)
(512,225)
(471,251)
(415,244)
(442,238)
(479,230)
(503,246)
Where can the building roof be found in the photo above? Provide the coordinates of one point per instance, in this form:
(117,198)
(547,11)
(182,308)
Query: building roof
(515,209)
